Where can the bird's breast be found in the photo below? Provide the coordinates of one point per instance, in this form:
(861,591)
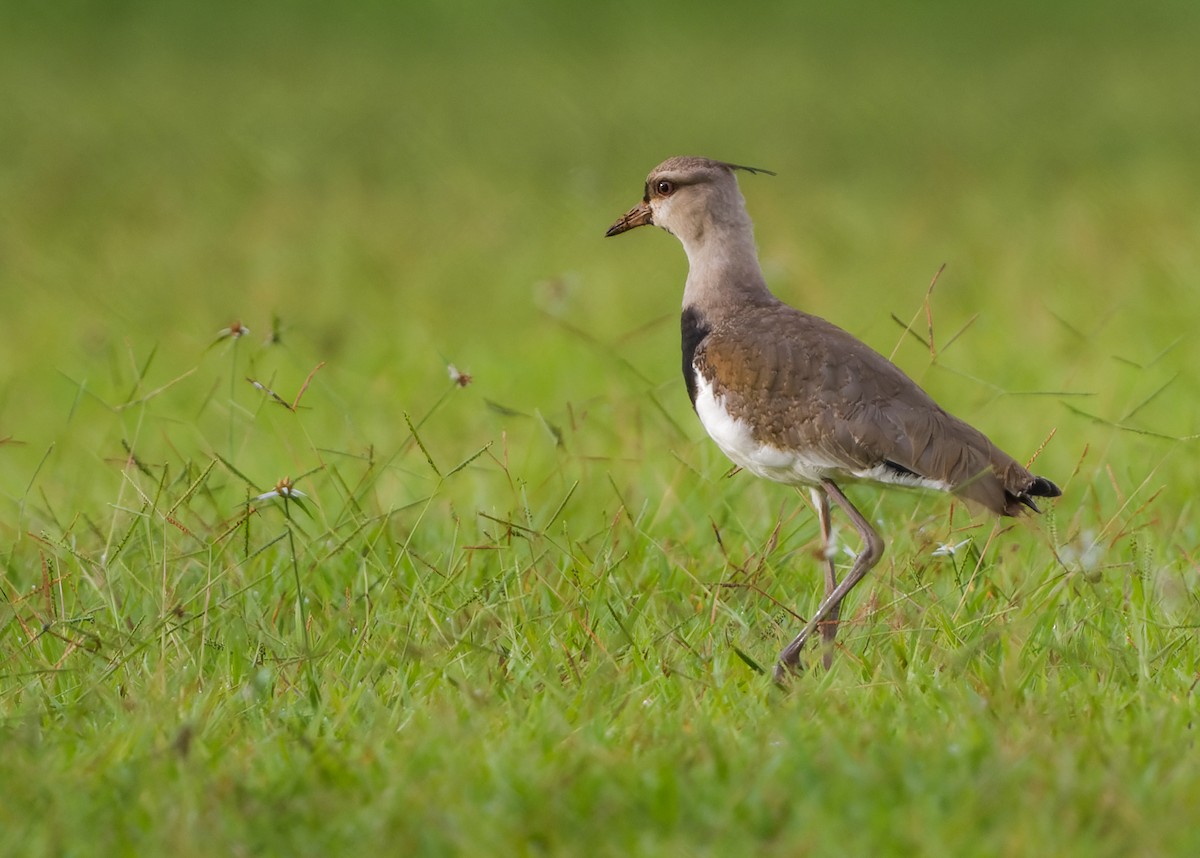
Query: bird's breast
(736,437)
(694,328)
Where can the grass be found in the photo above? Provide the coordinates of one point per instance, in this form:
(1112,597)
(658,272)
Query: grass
(523,615)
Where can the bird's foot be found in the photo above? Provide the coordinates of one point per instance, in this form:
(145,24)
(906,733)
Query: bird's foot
(784,673)
(788,664)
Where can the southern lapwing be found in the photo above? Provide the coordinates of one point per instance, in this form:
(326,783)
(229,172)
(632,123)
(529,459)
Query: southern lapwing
(795,399)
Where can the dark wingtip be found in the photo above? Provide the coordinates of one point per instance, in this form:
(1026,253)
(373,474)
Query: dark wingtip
(1039,488)
(1025,499)
(1043,488)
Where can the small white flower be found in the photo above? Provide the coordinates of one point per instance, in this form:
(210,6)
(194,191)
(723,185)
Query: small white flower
(283,489)
(947,549)
(462,379)
(236,330)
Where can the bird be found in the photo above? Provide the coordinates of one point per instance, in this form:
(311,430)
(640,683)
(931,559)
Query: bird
(793,398)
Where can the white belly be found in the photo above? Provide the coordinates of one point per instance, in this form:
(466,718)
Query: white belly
(736,440)
(805,467)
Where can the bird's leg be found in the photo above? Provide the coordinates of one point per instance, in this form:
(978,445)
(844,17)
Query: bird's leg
(872,550)
(830,625)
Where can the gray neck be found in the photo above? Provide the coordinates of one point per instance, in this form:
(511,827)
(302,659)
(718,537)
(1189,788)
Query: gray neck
(723,269)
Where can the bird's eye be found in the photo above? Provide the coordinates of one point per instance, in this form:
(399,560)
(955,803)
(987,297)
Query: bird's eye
(664,188)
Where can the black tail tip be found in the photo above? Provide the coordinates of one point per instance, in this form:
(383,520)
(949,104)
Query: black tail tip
(1043,488)
(1039,488)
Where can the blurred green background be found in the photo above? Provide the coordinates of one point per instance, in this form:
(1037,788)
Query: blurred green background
(389,188)
(405,184)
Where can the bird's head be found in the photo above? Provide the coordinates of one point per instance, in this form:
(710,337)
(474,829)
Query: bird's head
(688,196)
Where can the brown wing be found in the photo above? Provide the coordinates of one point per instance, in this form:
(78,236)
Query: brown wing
(811,386)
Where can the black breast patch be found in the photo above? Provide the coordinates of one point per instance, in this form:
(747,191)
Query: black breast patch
(694,329)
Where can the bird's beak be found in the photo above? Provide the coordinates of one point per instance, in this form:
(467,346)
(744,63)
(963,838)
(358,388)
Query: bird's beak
(639,215)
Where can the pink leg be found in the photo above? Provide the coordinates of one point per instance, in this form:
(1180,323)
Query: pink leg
(829,627)
(871,552)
